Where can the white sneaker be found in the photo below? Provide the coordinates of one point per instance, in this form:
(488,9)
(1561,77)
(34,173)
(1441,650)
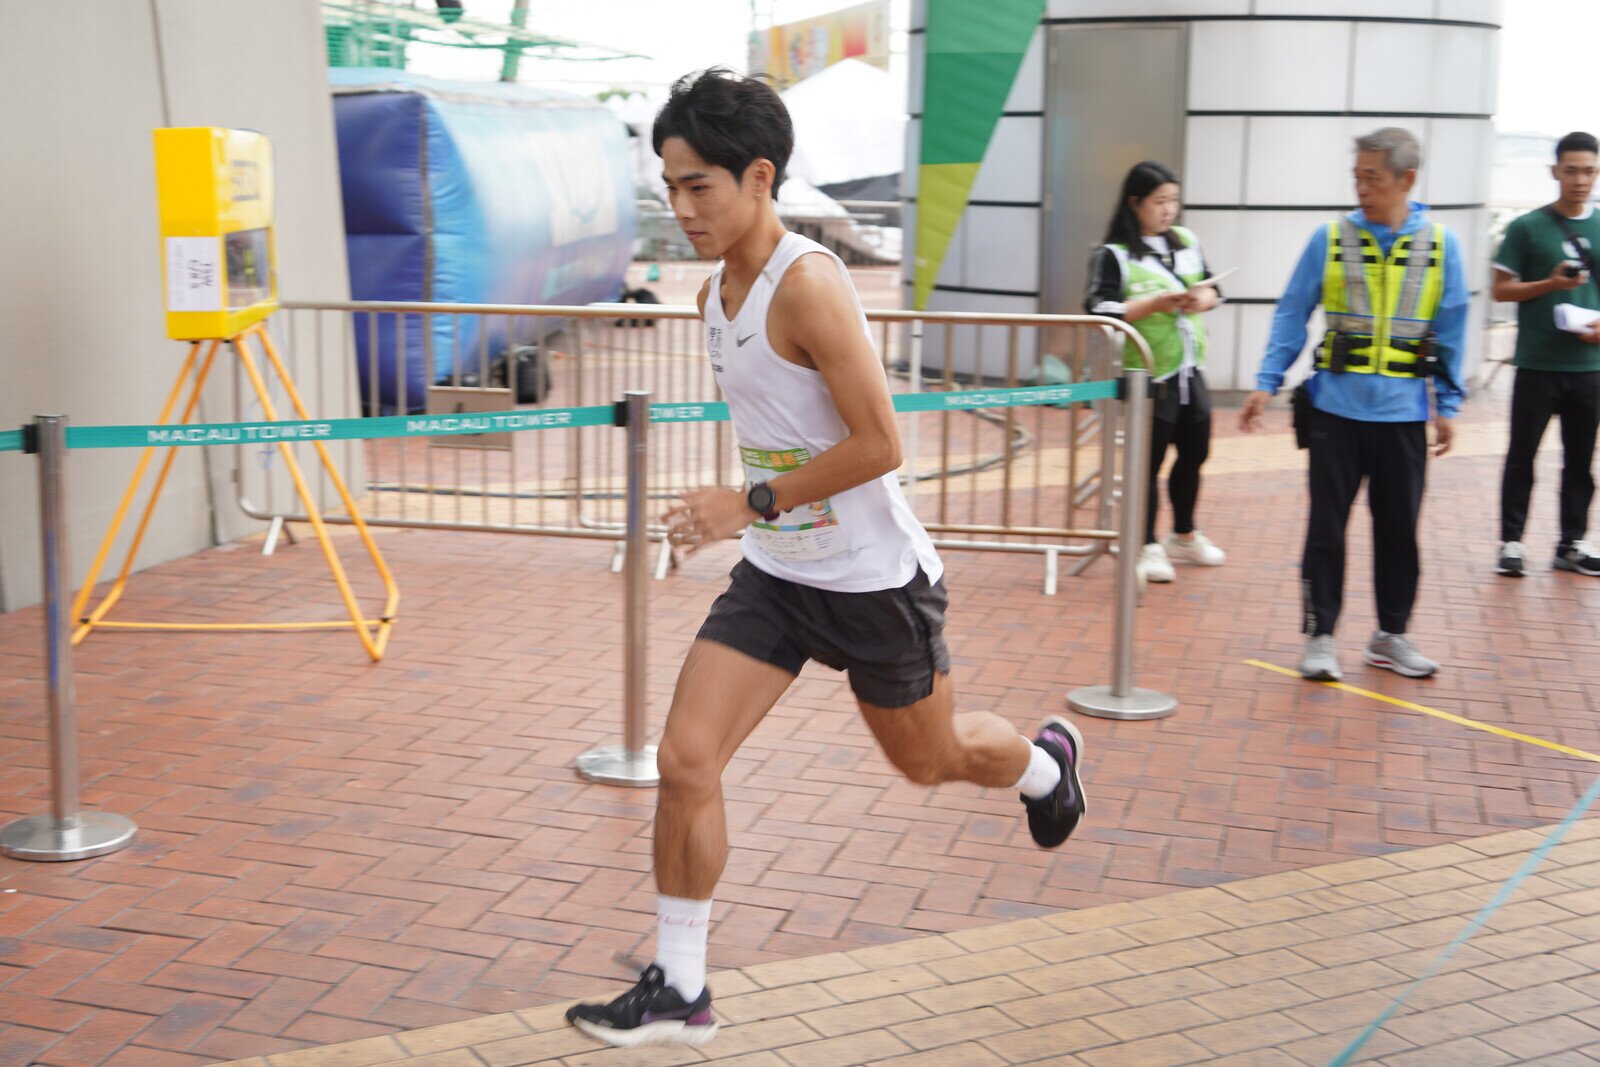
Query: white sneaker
(1154,566)
(1199,550)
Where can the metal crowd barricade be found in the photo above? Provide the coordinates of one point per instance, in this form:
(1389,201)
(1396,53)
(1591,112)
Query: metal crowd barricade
(70,833)
(1036,481)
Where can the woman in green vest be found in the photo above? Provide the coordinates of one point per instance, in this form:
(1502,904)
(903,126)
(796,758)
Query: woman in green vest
(1146,273)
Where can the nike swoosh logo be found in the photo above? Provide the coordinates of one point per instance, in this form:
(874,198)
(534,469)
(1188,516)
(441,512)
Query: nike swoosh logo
(739,342)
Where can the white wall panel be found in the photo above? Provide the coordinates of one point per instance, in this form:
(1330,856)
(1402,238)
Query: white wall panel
(1011,167)
(1490,11)
(916,53)
(1302,160)
(1413,67)
(1027,91)
(1279,66)
(1400,9)
(66,237)
(1213,172)
(1002,247)
(911,171)
(1222,348)
(1088,9)
(1456,161)
(1264,245)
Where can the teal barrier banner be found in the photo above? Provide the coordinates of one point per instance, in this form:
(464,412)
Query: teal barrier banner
(245,433)
(713,412)
(1076,393)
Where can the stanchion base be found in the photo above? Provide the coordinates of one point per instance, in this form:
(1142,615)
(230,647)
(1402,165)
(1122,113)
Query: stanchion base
(615,765)
(1097,700)
(41,837)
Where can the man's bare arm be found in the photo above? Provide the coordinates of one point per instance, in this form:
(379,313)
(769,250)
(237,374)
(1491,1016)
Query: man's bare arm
(814,319)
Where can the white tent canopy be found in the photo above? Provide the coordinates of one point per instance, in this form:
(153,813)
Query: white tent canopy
(849,123)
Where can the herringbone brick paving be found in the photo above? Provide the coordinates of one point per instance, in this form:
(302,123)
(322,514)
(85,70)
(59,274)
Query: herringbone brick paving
(331,850)
(1281,970)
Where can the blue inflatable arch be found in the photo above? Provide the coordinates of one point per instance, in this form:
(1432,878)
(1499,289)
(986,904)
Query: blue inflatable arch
(473,193)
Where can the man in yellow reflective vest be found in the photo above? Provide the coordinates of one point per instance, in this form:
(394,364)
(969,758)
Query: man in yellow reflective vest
(1394,299)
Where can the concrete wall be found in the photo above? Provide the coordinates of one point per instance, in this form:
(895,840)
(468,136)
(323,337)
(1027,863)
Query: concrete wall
(1275,90)
(80,282)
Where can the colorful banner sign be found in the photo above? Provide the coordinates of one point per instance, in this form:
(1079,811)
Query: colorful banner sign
(794,51)
(973,51)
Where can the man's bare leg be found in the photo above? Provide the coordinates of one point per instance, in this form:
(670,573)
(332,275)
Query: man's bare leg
(930,744)
(722,694)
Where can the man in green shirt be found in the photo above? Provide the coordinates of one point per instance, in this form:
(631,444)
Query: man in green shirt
(1547,260)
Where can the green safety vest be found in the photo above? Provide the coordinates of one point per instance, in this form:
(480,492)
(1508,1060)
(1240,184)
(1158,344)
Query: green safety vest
(1165,332)
(1383,306)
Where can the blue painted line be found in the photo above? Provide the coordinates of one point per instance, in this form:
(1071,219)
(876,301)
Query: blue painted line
(1534,859)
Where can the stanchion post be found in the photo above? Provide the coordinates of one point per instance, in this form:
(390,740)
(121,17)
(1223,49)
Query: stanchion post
(1121,699)
(66,833)
(633,762)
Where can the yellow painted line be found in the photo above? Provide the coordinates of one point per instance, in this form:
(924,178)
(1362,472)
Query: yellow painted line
(1459,720)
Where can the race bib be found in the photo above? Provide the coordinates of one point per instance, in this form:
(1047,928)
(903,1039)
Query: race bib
(808,532)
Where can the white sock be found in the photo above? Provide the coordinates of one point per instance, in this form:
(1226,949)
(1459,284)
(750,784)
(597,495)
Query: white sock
(681,927)
(1041,777)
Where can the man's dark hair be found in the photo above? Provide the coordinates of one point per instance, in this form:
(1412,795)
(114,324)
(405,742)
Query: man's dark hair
(729,121)
(1142,180)
(1577,141)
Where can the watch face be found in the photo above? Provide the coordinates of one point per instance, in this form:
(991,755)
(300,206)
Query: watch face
(761,498)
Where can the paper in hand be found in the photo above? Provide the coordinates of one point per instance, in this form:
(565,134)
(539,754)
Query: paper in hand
(1215,278)
(1574,319)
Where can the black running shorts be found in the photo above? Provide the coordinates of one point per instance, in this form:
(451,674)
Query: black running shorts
(890,642)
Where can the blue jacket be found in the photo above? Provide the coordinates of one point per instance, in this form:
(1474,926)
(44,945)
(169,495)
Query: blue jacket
(1370,397)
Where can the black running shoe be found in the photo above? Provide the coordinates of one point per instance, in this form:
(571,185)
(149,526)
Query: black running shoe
(1052,819)
(651,1013)
(1578,556)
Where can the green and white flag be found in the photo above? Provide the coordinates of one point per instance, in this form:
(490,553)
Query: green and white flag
(973,49)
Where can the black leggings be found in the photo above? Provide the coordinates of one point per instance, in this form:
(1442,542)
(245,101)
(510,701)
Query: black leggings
(1188,426)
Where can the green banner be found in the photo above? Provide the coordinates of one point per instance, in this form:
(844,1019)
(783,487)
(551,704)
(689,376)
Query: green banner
(972,51)
(271,433)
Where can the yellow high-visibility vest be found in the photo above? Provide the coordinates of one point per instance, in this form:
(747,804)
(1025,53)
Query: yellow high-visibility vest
(1383,306)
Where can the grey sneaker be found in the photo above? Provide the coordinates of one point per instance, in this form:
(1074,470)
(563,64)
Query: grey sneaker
(1395,652)
(1320,663)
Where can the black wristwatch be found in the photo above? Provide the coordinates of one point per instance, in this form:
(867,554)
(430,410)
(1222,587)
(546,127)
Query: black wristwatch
(763,501)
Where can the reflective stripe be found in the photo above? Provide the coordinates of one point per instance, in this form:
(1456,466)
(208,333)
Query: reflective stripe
(1409,283)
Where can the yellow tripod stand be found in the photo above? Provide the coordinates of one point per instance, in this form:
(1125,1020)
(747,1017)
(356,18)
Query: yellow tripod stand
(373,633)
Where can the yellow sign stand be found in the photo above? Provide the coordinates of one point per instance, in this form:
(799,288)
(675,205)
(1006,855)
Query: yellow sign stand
(215,193)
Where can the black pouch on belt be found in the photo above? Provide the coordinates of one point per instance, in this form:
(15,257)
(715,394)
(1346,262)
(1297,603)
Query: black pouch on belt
(1300,415)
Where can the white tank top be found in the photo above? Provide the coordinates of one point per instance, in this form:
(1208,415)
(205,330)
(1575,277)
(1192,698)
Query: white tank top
(856,541)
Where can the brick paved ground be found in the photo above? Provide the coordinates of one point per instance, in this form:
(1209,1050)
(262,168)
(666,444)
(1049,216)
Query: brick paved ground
(1281,969)
(333,850)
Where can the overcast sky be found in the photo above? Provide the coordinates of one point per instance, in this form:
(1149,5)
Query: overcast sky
(1549,80)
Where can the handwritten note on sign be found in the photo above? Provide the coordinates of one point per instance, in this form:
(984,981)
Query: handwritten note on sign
(194,274)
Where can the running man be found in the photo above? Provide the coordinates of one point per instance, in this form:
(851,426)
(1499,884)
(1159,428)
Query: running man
(836,568)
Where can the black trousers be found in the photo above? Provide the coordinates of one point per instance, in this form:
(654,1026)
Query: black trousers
(1392,458)
(1574,397)
(1188,427)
